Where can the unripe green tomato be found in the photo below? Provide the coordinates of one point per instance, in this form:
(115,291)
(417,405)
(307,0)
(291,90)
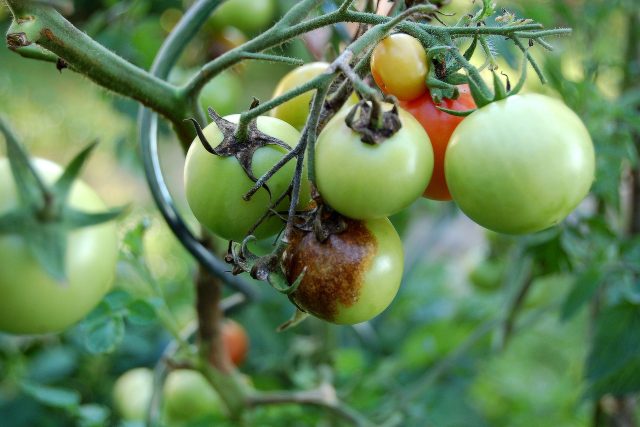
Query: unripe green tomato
(352,276)
(32,302)
(365,181)
(188,397)
(488,274)
(249,16)
(521,164)
(223,93)
(215,185)
(296,110)
(132,394)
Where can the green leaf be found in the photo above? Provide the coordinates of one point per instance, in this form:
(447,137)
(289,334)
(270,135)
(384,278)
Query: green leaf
(458,113)
(119,299)
(141,313)
(134,239)
(584,287)
(93,415)
(106,336)
(498,87)
(52,396)
(613,364)
(457,79)
(63,185)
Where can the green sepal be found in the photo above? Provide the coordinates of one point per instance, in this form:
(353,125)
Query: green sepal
(437,50)
(457,79)
(32,192)
(12,222)
(62,186)
(295,320)
(499,90)
(480,98)
(78,219)
(458,113)
(522,79)
(472,47)
(48,244)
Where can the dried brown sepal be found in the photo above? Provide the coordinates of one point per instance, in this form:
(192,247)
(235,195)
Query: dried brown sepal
(242,150)
(374,125)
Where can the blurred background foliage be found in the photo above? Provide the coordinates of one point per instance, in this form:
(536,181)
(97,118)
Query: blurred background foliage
(487,330)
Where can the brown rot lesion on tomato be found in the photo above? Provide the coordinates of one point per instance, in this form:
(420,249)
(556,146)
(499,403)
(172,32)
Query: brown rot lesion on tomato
(332,270)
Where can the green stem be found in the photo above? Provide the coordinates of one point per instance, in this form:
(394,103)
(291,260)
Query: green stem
(43,25)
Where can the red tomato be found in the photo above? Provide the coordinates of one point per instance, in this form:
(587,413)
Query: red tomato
(235,341)
(439,126)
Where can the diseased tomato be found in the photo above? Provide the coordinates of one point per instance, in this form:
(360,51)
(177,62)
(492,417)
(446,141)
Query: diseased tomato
(351,277)
(439,126)
(31,301)
(296,110)
(399,66)
(215,185)
(364,181)
(521,164)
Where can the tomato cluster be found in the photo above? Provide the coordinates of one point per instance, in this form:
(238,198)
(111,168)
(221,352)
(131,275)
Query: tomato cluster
(516,165)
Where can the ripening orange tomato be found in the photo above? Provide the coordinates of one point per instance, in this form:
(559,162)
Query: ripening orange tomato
(399,66)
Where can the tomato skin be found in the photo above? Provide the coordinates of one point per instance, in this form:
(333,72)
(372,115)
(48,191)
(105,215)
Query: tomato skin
(223,93)
(296,110)
(521,164)
(439,126)
(236,341)
(132,394)
(364,181)
(249,16)
(350,278)
(399,66)
(215,185)
(34,303)
(188,397)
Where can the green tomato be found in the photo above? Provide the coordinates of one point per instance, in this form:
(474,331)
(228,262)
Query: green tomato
(215,185)
(364,181)
(521,164)
(32,302)
(189,397)
(296,110)
(488,274)
(223,93)
(132,394)
(352,276)
(249,16)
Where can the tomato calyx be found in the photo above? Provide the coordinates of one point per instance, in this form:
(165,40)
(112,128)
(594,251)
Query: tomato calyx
(374,125)
(243,150)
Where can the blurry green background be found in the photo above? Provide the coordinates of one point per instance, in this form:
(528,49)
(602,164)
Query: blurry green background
(439,353)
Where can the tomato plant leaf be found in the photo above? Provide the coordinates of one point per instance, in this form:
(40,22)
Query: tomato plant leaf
(613,363)
(584,287)
(141,312)
(104,337)
(93,415)
(52,396)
